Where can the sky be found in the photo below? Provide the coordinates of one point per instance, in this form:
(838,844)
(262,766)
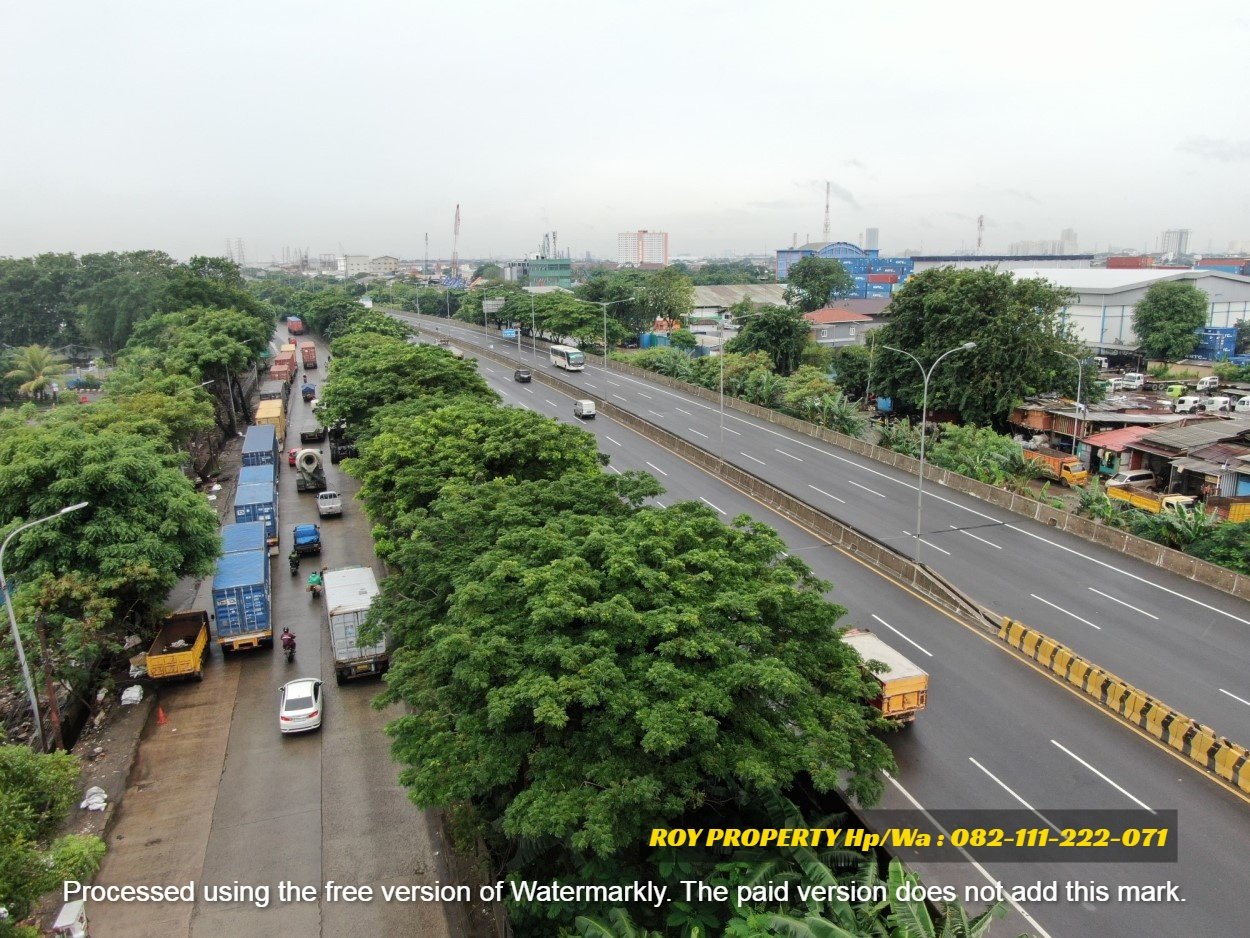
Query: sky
(358,127)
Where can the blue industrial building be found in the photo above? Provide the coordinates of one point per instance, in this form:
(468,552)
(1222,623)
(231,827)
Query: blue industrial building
(875,276)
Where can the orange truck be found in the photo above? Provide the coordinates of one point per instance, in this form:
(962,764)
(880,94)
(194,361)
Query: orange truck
(904,686)
(308,352)
(1058,465)
(294,325)
(180,647)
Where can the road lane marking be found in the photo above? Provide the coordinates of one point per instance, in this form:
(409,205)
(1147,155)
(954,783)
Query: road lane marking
(1123,603)
(749,456)
(589,385)
(657,468)
(1235,697)
(1041,932)
(975,538)
(613,383)
(552,403)
(928,544)
(706,502)
(1103,777)
(684,411)
(619,398)
(865,488)
(826,494)
(700,432)
(614,469)
(784,453)
(1065,612)
(1004,787)
(660,503)
(488,368)
(610,440)
(528,390)
(654,414)
(901,635)
(734,432)
(647,396)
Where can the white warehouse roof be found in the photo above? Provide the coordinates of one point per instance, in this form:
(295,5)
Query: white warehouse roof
(1102,280)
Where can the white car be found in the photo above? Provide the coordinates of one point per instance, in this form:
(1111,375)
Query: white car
(300,706)
(329,503)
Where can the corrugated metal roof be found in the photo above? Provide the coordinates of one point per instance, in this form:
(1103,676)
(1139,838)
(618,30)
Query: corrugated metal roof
(728,295)
(830,315)
(1115,440)
(1197,435)
(1115,280)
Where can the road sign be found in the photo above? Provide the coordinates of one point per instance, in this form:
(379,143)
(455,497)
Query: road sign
(509,333)
(492,306)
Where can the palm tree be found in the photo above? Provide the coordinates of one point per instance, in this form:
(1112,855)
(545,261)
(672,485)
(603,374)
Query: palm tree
(35,366)
(843,415)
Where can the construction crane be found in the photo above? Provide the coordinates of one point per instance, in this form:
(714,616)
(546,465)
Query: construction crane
(455,245)
(826,212)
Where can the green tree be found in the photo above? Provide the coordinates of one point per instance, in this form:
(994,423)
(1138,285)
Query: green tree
(851,367)
(1019,337)
(1242,346)
(488,271)
(1168,318)
(667,294)
(37,300)
(324,311)
(976,452)
(814,281)
(1227,544)
(683,339)
(118,291)
(618,287)
(780,332)
(34,368)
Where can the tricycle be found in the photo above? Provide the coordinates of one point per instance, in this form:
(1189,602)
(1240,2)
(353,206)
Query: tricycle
(308,392)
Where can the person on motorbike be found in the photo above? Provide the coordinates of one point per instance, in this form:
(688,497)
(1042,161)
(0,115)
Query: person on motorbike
(314,581)
(288,640)
(293,560)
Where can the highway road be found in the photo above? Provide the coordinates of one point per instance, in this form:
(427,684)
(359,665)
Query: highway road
(1180,641)
(997,734)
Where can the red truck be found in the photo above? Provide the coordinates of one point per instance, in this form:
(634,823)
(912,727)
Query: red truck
(294,325)
(308,352)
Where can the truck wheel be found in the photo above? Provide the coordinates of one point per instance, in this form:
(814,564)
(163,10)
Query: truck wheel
(338,678)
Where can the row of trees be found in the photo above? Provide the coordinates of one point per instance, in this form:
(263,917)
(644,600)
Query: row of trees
(579,666)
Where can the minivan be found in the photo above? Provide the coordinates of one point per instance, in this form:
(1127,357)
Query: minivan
(1243,405)
(584,409)
(1216,404)
(1188,404)
(1209,383)
(1133,477)
(1134,381)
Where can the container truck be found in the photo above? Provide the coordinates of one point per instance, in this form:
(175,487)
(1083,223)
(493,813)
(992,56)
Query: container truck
(1058,465)
(904,686)
(260,446)
(349,592)
(287,347)
(180,647)
(241,607)
(273,390)
(236,538)
(257,502)
(1139,496)
(294,325)
(308,354)
(252,475)
(272,413)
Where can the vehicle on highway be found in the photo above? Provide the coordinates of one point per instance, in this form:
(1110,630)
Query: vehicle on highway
(568,358)
(349,592)
(307,539)
(584,409)
(904,685)
(329,504)
(300,705)
(523,375)
(1132,477)
(308,392)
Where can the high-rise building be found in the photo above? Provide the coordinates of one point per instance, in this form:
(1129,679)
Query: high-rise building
(637,248)
(870,238)
(1175,241)
(1068,241)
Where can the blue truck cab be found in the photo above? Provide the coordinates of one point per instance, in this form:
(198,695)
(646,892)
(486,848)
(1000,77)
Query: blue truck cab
(307,539)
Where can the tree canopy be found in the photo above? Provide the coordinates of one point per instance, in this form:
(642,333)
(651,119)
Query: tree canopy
(779,332)
(1168,318)
(814,281)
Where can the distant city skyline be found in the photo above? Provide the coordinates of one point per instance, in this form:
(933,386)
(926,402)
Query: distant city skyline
(180,131)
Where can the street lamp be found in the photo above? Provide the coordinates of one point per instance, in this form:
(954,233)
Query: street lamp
(1080,374)
(924,415)
(605,306)
(17,639)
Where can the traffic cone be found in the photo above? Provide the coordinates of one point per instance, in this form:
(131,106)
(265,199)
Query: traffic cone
(161,719)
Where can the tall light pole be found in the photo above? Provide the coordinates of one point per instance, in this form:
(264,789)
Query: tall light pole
(605,306)
(1080,374)
(924,415)
(720,352)
(17,638)
(533,331)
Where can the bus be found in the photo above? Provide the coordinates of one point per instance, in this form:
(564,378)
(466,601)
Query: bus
(570,359)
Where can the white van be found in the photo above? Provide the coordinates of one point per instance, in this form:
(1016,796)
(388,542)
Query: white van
(1209,383)
(1133,477)
(1134,381)
(584,409)
(1188,404)
(1213,405)
(1243,405)
(1101,362)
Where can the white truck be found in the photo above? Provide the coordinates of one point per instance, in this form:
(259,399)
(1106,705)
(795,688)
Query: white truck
(349,592)
(329,504)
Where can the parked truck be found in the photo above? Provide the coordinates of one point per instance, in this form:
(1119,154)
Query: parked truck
(349,592)
(308,354)
(904,686)
(180,647)
(260,446)
(254,475)
(274,390)
(294,325)
(1058,465)
(241,607)
(341,445)
(272,413)
(237,538)
(310,475)
(307,539)
(257,502)
(315,435)
(1139,496)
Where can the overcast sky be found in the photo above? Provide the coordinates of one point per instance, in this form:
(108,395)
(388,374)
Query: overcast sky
(313,125)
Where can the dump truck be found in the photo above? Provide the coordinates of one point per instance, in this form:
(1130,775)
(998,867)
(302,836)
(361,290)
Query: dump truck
(294,325)
(349,592)
(904,686)
(311,476)
(315,435)
(308,354)
(272,413)
(1058,465)
(241,606)
(1138,496)
(180,647)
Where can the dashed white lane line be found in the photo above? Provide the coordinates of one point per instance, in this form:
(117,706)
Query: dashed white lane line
(682,410)
(749,456)
(552,403)
(1066,612)
(929,544)
(1235,697)
(1123,603)
(654,414)
(791,455)
(657,468)
(528,390)
(660,503)
(589,385)
(1122,791)
(614,469)
(826,494)
(647,396)
(619,398)
(901,635)
(699,432)
(1003,785)
(734,432)
(865,488)
(488,368)
(615,384)
(710,505)
(975,538)
(610,440)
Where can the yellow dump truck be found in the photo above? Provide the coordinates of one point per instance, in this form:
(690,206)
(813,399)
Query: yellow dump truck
(904,686)
(180,647)
(1138,496)
(1058,465)
(273,412)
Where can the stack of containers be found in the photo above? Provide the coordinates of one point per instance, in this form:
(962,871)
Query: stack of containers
(239,538)
(258,501)
(251,475)
(241,591)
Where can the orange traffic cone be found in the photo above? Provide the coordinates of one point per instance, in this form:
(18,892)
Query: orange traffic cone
(161,719)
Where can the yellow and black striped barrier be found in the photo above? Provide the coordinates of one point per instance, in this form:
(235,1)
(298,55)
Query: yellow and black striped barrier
(1200,744)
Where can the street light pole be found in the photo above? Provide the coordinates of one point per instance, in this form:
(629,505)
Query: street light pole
(605,306)
(533,331)
(1080,375)
(924,415)
(17,638)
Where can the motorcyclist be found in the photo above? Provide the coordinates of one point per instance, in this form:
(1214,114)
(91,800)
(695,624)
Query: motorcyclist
(288,640)
(293,560)
(314,581)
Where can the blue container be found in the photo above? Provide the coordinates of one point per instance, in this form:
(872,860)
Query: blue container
(885,404)
(252,475)
(243,537)
(260,445)
(241,594)
(645,340)
(257,502)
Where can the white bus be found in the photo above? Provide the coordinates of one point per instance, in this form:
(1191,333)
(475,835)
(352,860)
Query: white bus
(570,359)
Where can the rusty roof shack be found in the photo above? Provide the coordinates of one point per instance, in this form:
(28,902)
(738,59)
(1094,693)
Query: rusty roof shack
(1205,459)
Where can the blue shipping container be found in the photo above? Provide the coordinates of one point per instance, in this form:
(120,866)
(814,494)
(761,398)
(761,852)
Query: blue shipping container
(257,502)
(240,537)
(241,594)
(260,445)
(252,475)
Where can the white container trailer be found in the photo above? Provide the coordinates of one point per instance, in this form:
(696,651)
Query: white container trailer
(349,592)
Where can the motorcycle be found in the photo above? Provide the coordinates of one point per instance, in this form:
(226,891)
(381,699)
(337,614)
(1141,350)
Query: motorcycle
(294,564)
(315,589)
(289,648)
